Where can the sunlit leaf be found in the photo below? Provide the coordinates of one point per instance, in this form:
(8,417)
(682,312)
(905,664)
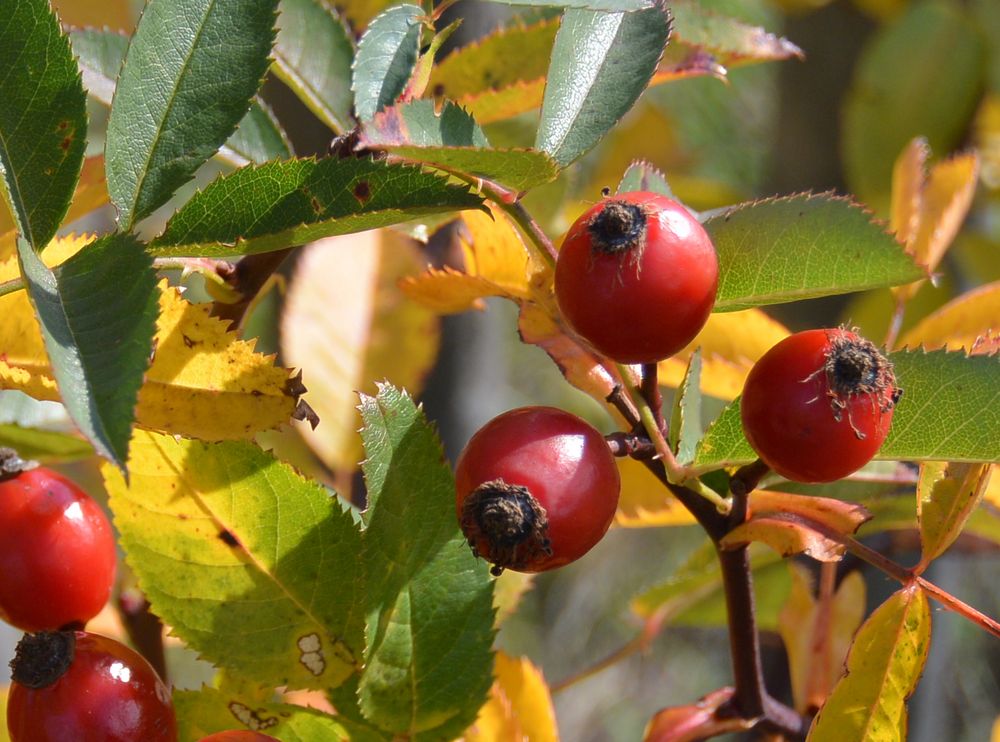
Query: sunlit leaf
(960,322)
(947,495)
(100,53)
(346,325)
(252,565)
(209,710)
(883,668)
(191,69)
(312,55)
(97,312)
(601,62)
(888,103)
(816,638)
(786,534)
(519,706)
(280,204)
(387,54)
(43,120)
(800,247)
(729,39)
(428,600)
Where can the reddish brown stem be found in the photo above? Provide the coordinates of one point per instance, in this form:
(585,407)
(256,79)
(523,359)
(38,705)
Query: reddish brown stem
(650,390)
(247,278)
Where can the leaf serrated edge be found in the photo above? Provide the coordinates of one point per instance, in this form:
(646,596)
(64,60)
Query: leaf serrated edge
(790,49)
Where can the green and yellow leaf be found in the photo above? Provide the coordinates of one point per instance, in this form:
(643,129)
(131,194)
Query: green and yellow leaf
(961,323)
(947,495)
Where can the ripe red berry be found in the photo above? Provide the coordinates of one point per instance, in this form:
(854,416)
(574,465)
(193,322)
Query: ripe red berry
(238,735)
(636,277)
(536,489)
(818,405)
(57,552)
(72,685)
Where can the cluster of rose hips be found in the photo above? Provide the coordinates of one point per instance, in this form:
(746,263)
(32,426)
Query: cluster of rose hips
(636,278)
(57,568)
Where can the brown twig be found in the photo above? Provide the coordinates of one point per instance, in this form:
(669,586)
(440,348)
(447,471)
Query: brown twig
(650,390)
(247,278)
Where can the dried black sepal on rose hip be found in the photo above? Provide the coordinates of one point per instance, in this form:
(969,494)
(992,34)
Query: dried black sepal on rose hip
(818,405)
(636,277)
(536,488)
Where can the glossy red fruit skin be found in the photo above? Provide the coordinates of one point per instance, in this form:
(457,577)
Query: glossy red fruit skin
(564,463)
(57,552)
(788,418)
(108,694)
(644,304)
(238,735)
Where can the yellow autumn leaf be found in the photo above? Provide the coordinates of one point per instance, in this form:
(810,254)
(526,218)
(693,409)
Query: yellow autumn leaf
(960,322)
(730,342)
(24,364)
(929,207)
(644,501)
(987,136)
(347,325)
(995,734)
(91,193)
(519,706)
(204,382)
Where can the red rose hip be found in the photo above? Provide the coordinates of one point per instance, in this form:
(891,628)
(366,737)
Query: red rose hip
(636,277)
(818,405)
(72,685)
(536,488)
(57,552)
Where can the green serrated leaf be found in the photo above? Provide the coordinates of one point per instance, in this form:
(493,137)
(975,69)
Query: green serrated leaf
(387,54)
(932,95)
(100,53)
(642,176)
(883,667)
(207,711)
(280,204)
(685,418)
(950,409)
(601,62)
(43,119)
(948,412)
(694,595)
(252,565)
(98,313)
(802,247)
(604,6)
(313,56)
(191,70)
(430,615)
(451,140)
(729,39)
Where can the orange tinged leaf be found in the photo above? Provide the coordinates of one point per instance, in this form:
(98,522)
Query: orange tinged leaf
(961,323)
(837,515)
(787,535)
(694,722)
(947,495)
(519,706)
(883,667)
(816,665)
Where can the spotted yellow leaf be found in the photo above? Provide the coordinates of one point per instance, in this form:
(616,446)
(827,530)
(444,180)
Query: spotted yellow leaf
(347,325)
(519,706)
